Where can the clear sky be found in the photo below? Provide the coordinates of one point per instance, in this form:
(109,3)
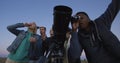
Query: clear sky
(41,12)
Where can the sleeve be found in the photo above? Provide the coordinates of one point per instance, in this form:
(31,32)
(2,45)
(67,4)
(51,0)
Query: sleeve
(13,28)
(109,15)
(112,44)
(75,46)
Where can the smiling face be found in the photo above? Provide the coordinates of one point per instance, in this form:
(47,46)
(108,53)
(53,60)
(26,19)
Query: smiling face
(83,21)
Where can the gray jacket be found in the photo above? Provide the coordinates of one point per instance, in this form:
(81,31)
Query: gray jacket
(101,45)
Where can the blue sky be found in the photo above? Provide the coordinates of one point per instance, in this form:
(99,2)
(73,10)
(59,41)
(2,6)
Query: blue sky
(41,12)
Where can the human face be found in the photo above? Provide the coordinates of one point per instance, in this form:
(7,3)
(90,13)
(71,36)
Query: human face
(42,30)
(83,21)
(51,33)
(32,26)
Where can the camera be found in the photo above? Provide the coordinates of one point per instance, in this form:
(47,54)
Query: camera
(75,18)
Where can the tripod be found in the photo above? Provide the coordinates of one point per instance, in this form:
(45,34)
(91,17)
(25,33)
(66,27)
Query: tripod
(55,54)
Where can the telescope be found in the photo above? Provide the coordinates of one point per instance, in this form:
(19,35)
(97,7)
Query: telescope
(62,18)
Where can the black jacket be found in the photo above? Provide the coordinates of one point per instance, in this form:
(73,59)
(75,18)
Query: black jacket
(100,44)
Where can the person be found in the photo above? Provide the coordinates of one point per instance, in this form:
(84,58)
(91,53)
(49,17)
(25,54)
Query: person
(44,39)
(97,40)
(46,42)
(51,33)
(67,45)
(35,50)
(19,49)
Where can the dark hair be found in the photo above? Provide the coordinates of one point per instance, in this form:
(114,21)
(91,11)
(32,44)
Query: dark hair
(82,13)
(43,27)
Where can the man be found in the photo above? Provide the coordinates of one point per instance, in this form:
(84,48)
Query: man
(35,50)
(99,43)
(44,39)
(19,49)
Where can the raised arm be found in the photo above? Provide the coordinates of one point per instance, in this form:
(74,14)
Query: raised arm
(109,15)
(13,28)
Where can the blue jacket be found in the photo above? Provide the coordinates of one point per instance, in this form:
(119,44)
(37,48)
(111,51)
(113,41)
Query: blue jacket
(35,49)
(101,45)
(20,35)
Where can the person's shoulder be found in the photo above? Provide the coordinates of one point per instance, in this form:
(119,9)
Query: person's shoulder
(37,35)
